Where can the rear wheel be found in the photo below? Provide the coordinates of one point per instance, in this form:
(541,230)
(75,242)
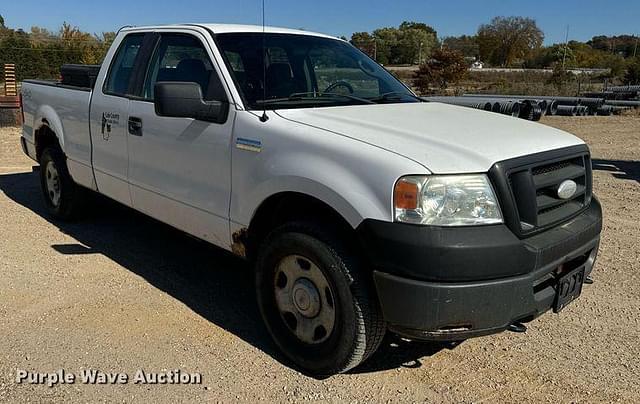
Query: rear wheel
(63,198)
(315,299)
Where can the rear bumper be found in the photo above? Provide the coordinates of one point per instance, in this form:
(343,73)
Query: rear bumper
(464,285)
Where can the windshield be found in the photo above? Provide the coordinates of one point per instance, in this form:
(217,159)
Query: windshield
(306,71)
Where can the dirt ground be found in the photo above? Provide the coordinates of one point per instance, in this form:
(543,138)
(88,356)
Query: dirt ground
(119,292)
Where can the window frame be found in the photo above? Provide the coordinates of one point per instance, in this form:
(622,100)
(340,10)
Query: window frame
(140,85)
(136,62)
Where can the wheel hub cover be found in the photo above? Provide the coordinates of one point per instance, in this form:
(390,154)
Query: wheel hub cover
(306,298)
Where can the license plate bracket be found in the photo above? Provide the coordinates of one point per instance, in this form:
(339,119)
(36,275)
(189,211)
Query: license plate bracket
(569,288)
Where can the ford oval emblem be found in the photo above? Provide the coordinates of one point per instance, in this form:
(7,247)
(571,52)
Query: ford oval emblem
(567,189)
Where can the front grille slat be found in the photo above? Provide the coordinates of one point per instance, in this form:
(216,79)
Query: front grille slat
(533,185)
(558,213)
(557,176)
(545,201)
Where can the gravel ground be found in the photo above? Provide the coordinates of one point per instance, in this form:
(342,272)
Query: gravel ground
(119,292)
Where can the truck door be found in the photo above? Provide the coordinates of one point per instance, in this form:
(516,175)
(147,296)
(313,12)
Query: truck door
(179,168)
(108,120)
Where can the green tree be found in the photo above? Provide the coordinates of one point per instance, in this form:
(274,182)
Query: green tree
(506,40)
(365,42)
(410,43)
(2,21)
(40,53)
(416,41)
(443,68)
(632,76)
(624,45)
(387,45)
(466,44)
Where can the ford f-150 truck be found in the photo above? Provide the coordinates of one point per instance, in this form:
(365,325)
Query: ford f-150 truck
(363,207)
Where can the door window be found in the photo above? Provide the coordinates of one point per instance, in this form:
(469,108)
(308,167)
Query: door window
(119,76)
(180,57)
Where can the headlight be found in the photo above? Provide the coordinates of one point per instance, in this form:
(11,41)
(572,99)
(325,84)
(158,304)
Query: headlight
(446,200)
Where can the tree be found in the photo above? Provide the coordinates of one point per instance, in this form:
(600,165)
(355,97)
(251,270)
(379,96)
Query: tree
(40,53)
(466,44)
(508,39)
(632,76)
(445,67)
(387,45)
(410,43)
(2,21)
(624,45)
(365,42)
(415,42)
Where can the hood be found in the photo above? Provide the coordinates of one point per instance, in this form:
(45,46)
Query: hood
(444,138)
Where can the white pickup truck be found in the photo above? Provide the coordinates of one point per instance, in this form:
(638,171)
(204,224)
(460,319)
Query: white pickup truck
(364,208)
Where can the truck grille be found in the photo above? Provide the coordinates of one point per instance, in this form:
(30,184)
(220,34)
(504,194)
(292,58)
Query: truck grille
(528,188)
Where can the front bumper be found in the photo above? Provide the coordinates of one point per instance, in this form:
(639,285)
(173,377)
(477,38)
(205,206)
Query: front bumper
(457,283)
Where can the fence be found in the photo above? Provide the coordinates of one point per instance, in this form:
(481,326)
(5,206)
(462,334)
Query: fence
(9,103)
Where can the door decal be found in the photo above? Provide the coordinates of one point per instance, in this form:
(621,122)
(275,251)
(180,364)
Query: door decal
(109,119)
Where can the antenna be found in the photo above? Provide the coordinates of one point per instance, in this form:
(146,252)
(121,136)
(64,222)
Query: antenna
(264,117)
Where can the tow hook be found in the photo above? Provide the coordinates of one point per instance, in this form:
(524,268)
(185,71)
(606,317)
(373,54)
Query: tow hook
(517,327)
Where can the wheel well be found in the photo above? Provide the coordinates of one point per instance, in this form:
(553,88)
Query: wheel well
(285,207)
(44,137)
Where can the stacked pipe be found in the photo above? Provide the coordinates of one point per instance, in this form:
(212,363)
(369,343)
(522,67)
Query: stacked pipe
(619,93)
(623,89)
(509,108)
(464,102)
(567,110)
(623,103)
(533,107)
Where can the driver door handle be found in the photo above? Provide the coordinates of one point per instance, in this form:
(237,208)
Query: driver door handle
(135,126)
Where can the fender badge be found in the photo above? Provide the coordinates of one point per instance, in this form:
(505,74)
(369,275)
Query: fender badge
(567,189)
(249,145)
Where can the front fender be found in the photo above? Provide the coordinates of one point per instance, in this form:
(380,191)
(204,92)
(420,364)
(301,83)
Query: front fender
(353,208)
(356,179)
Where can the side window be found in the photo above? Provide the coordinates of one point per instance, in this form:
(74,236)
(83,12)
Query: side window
(180,57)
(117,82)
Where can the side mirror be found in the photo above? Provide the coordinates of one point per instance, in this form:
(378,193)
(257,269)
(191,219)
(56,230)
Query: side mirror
(179,99)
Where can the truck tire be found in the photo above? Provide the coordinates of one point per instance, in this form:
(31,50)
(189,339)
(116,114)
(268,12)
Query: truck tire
(315,299)
(63,198)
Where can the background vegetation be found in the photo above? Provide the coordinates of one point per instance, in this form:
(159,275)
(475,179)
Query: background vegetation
(40,53)
(510,42)
(504,42)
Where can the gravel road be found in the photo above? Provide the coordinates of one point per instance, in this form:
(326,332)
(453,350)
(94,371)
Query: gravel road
(119,292)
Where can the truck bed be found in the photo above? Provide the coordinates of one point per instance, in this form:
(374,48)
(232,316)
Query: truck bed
(56,83)
(65,109)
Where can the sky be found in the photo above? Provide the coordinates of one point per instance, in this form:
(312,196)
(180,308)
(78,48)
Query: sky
(585,18)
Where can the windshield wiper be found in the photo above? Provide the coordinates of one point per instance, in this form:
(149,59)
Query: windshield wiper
(315,95)
(395,95)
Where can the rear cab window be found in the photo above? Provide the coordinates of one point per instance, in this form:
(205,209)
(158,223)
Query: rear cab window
(120,72)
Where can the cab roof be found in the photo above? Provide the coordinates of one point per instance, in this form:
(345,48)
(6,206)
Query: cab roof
(235,28)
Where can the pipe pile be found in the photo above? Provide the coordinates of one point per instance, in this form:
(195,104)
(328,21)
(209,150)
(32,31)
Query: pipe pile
(623,103)
(463,102)
(623,89)
(567,110)
(534,107)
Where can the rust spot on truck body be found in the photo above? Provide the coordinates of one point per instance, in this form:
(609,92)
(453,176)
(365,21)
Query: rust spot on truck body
(239,242)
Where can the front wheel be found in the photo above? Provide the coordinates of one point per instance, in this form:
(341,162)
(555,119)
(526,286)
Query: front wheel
(316,300)
(63,198)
